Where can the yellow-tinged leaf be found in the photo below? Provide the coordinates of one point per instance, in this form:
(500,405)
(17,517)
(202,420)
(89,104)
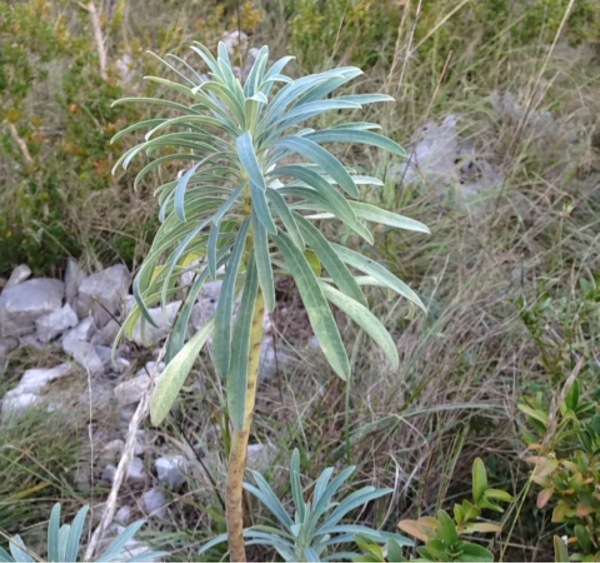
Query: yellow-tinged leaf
(485,527)
(156,272)
(190,258)
(422,529)
(544,497)
(171,380)
(313,260)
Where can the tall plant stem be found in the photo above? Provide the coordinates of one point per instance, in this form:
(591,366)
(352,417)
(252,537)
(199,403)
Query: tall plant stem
(239,441)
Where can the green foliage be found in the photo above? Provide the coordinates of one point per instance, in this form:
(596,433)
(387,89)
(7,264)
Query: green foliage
(443,535)
(243,207)
(567,467)
(316,530)
(64,542)
(575,316)
(360,31)
(39,452)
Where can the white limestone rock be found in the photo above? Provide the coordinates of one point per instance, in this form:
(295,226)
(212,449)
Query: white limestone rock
(154,502)
(29,388)
(55,323)
(18,275)
(75,344)
(103,294)
(7,345)
(74,275)
(130,391)
(261,456)
(21,305)
(171,470)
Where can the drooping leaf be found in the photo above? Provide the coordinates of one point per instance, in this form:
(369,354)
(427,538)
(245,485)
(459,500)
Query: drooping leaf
(171,380)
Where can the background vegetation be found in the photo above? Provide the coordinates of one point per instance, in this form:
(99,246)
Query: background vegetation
(512,291)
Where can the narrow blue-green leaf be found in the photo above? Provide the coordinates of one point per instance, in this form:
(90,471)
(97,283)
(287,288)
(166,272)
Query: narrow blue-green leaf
(211,252)
(206,56)
(171,380)
(317,154)
(160,160)
(236,380)
(318,310)
(329,258)
(224,312)
(5,557)
(170,66)
(256,74)
(323,503)
(265,492)
(339,204)
(116,546)
(137,126)
(261,209)
(155,101)
(296,486)
(378,215)
(63,538)
(330,201)
(358,136)
(180,328)
(287,217)
(366,320)
(53,527)
(364,99)
(180,191)
(249,160)
(17,550)
(379,272)
(74,542)
(263,263)
(352,501)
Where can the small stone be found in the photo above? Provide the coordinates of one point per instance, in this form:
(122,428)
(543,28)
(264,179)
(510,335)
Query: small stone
(27,392)
(106,335)
(34,380)
(83,331)
(74,275)
(260,457)
(113,450)
(130,391)
(170,470)
(19,404)
(54,324)
(31,341)
(154,502)
(102,294)
(205,309)
(83,353)
(19,275)
(136,473)
(123,515)
(22,304)
(144,334)
(7,345)
(108,474)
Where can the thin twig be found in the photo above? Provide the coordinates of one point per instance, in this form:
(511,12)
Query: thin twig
(21,144)
(136,420)
(99,39)
(411,37)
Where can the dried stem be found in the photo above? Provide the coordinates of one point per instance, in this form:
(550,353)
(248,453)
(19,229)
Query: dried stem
(134,424)
(19,141)
(99,38)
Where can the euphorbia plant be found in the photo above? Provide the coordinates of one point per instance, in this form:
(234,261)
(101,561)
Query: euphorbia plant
(247,210)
